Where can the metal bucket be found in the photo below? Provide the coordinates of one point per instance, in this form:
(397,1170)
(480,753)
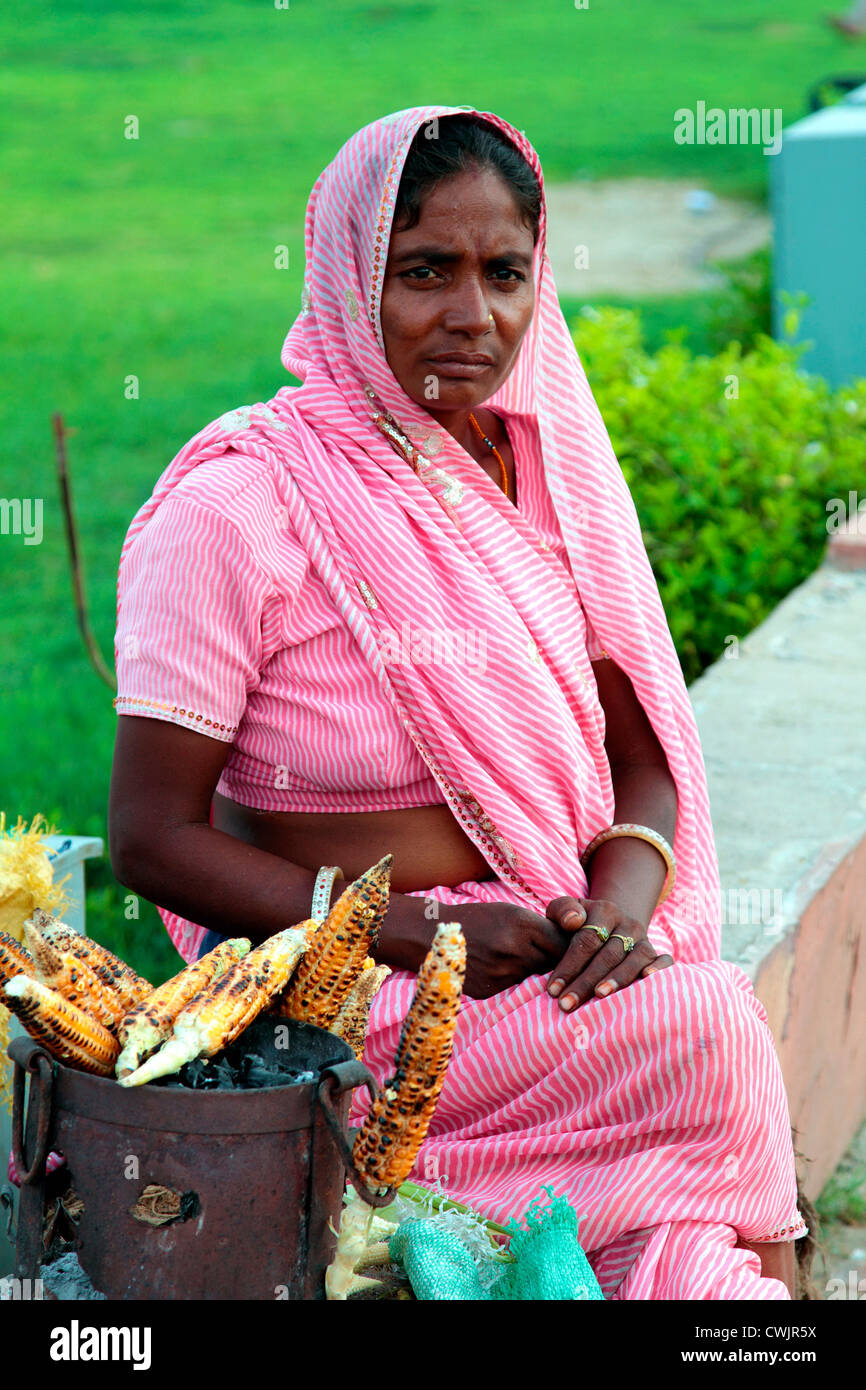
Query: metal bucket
(257,1175)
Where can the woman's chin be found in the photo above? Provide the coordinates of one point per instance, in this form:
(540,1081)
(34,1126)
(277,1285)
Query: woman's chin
(457,394)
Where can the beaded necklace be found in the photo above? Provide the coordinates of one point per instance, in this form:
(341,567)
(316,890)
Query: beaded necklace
(496,454)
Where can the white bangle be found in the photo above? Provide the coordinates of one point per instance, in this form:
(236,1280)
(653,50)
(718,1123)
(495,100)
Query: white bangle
(639,832)
(322,891)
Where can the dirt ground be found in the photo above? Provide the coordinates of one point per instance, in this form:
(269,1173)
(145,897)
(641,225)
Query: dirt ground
(646,236)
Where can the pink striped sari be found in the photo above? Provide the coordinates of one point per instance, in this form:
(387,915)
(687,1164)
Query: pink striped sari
(660,1110)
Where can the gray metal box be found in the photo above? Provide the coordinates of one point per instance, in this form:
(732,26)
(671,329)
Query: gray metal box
(818,199)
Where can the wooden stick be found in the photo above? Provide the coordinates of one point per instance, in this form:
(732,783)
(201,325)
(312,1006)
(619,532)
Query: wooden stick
(93,651)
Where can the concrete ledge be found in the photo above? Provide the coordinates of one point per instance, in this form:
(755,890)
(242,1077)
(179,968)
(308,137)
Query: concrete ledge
(782,719)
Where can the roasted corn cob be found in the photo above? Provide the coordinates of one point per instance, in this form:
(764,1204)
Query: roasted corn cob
(351,1022)
(146,1027)
(339,949)
(73,978)
(228,1006)
(119,976)
(14,959)
(394,1130)
(398,1119)
(66,1031)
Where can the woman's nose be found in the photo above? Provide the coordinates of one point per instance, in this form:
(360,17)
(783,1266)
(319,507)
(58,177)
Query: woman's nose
(469,312)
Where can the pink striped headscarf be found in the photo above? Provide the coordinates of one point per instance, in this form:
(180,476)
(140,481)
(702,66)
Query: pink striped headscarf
(517,748)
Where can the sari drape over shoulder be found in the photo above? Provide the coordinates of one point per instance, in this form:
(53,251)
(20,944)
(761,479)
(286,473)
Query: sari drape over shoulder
(659,1110)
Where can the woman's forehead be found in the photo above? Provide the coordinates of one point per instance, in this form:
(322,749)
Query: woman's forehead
(476,206)
(366,172)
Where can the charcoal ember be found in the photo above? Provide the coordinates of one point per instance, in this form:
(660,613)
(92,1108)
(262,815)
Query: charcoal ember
(258,1058)
(236,1071)
(201,1075)
(219,1074)
(214,1075)
(255,1072)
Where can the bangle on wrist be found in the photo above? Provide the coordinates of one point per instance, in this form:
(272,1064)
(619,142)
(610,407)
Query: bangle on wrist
(322,890)
(638,832)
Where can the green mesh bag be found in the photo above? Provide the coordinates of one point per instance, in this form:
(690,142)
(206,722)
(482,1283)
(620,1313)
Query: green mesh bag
(438,1264)
(549,1262)
(448,1255)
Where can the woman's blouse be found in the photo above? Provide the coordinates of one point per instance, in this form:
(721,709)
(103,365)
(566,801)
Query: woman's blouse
(205,640)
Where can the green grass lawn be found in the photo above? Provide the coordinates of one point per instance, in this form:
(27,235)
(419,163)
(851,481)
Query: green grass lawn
(154,256)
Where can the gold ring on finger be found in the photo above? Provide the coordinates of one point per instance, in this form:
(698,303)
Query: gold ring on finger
(602,931)
(627,941)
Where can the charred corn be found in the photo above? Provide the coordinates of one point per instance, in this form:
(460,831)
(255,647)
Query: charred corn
(397,1122)
(14,959)
(351,1022)
(115,973)
(78,982)
(146,1027)
(339,949)
(228,1006)
(64,1030)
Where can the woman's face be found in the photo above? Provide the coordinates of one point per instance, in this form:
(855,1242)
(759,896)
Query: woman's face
(458,294)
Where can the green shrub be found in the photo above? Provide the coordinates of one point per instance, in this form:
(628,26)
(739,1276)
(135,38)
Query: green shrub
(743,310)
(732,460)
(843,1199)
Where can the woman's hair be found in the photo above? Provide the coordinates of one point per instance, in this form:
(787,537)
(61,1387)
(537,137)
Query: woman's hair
(460,143)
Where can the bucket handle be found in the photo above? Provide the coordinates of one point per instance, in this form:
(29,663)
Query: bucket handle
(28,1056)
(334,1081)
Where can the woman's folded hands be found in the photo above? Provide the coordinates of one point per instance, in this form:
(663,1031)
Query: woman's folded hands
(505,943)
(591,966)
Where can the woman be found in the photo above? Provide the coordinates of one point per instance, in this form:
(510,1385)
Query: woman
(367,617)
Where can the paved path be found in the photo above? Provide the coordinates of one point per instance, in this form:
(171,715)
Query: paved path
(645,236)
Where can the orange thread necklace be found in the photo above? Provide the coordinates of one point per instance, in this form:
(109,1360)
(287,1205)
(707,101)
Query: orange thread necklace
(495,452)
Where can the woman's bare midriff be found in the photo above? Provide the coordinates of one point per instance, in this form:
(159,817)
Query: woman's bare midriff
(428,845)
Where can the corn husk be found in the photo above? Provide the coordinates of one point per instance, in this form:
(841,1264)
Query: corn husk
(26,882)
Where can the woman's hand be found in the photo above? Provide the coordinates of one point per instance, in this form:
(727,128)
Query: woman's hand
(505,943)
(591,968)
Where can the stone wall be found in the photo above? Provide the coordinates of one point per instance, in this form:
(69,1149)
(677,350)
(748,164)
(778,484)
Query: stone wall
(782,718)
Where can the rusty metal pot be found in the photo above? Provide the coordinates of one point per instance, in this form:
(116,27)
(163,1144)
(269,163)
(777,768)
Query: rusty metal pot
(256,1176)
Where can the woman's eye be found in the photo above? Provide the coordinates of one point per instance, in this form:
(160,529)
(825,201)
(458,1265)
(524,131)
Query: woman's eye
(426,274)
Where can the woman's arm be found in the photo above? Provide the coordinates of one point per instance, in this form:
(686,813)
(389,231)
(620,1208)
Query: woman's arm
(630,871)
(625,875)
(163,847)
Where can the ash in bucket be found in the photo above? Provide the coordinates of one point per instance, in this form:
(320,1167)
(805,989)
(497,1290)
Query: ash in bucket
(271,1052)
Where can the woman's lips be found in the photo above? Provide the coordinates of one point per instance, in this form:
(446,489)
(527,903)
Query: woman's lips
(468,364)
